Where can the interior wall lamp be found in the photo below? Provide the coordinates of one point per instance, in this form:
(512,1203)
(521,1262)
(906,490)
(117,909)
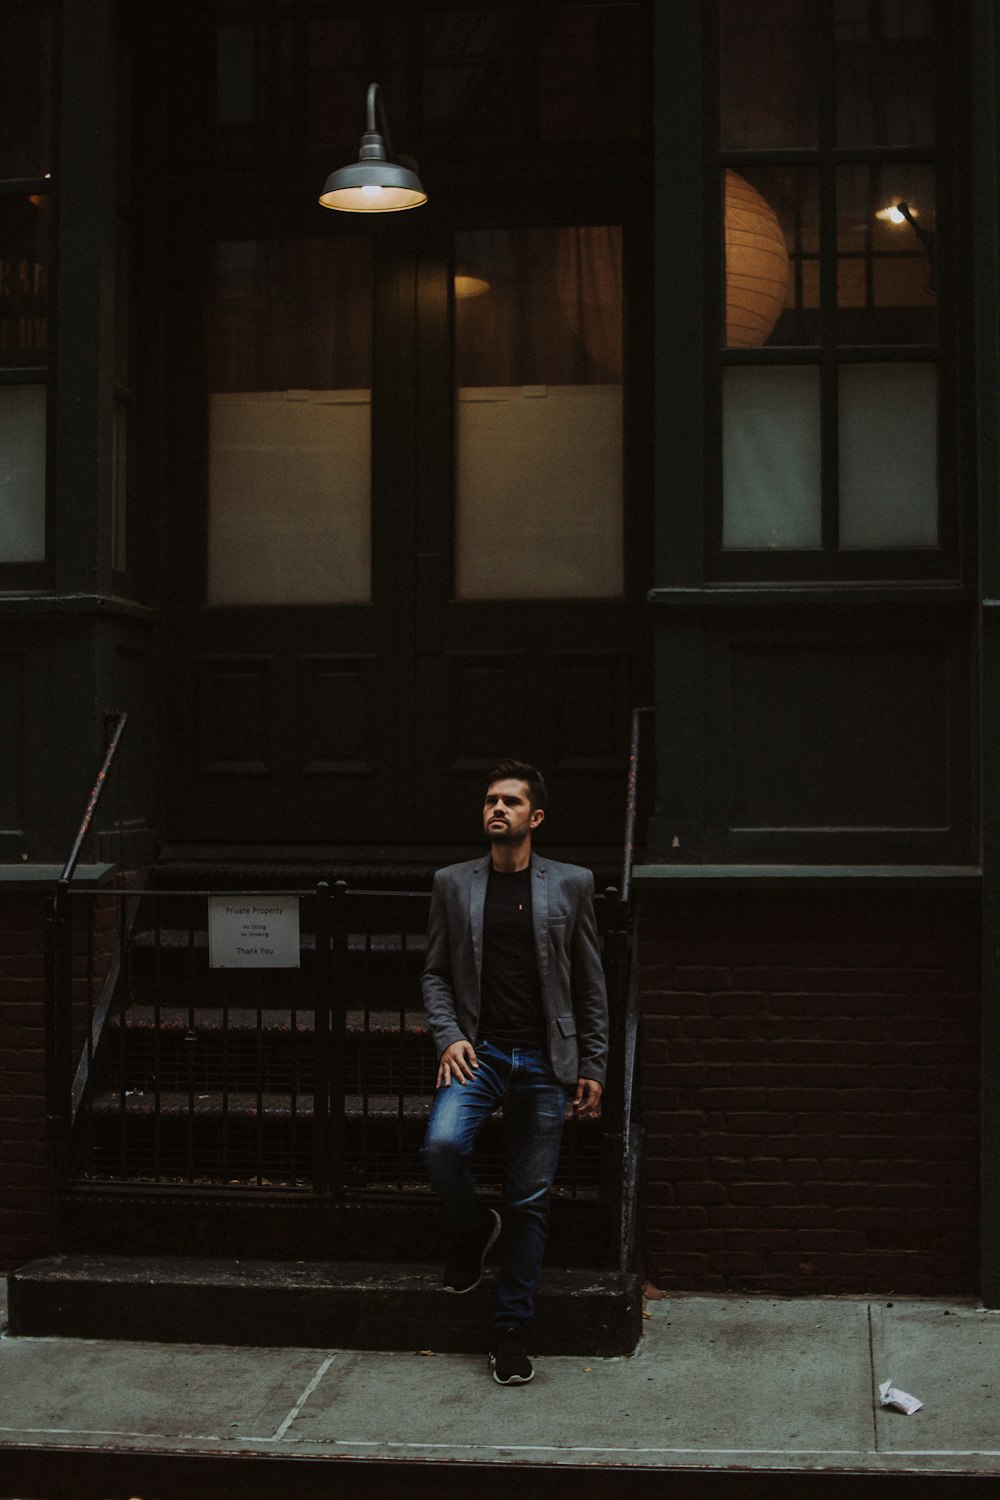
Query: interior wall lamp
(902,212)
(378,182)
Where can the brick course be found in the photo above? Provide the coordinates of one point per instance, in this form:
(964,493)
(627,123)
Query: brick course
(23,1198)
(809,1085)
(24,1207)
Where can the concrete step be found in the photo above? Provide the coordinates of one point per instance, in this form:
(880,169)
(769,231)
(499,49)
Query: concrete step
(394,1224)
(238,1138)
(202,1047)
(318,1305)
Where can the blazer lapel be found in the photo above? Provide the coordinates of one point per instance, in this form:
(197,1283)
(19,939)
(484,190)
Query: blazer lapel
(477,900)
(540,918)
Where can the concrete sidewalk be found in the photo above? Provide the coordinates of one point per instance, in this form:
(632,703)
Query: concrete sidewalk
(717,1382)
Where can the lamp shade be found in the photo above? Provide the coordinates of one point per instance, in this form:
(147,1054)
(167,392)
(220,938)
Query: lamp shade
(373,187)
(378,182)
(757,265)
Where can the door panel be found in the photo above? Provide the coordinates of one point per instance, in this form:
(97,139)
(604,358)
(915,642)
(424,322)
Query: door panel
(291,606)
(533,636)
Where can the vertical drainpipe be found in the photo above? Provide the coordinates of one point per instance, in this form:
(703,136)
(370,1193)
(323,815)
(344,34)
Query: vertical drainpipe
(985,220)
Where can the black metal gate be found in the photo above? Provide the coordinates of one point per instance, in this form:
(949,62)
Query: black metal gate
(311,1082)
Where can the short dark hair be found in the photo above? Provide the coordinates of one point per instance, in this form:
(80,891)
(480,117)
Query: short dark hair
(519,770)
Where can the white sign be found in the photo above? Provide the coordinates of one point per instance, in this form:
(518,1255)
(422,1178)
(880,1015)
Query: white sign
(261,932)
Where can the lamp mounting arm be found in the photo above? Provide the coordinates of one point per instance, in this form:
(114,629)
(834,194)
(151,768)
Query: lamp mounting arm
(374,108)
(925,236)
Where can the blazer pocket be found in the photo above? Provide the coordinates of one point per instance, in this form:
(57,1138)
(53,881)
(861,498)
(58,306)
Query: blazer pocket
(567,1025)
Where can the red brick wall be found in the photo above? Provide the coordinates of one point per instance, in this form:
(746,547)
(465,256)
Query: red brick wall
(24,1204)
(809,1086)
(23,1200)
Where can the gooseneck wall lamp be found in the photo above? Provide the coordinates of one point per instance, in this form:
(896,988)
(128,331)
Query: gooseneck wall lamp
(378,182)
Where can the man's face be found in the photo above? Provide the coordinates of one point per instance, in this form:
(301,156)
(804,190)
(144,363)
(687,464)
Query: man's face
(508,817)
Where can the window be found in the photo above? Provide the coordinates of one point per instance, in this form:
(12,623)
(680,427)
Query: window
(289,363)
(834,353)
(538,450)
(25,81)
(291,79)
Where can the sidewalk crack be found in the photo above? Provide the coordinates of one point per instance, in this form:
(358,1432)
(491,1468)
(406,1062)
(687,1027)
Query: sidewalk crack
(871,1372)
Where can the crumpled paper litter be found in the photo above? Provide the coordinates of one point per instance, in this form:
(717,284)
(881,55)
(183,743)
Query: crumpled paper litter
(899,1400)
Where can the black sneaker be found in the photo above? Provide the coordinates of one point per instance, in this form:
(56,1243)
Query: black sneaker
(508,1361)
(465,1267)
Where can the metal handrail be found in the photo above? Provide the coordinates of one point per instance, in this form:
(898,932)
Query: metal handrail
(631,799)
(620,1141)
(59,1105)
(119,720)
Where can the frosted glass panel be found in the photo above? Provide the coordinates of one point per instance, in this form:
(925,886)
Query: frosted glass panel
(22,473)
(771,457)
(888,456)
(289,478)
(539,481)
(538,451)
(288,347)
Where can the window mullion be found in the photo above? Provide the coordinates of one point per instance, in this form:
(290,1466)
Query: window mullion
(827,129)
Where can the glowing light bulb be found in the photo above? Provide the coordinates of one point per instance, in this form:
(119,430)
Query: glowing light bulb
(371,190)
(892,215)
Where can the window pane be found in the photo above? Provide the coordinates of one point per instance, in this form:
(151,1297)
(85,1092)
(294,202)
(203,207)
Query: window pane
(885,73)
(289,358)
(25,88)
(771,457)
(335,90)
(885,264)
(888,456)
(339,69)
(23,282)
(123,302)
(475,74)
(589,82)
(119,487)
(236,73)
(22,473)
(771,256)
(768,62)
(539,414)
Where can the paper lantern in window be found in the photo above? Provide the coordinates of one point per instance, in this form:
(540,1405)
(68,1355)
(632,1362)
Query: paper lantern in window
(757,265)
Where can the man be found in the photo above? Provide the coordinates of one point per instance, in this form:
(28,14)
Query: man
(514,992)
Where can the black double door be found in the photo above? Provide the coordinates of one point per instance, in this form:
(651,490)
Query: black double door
(355,709)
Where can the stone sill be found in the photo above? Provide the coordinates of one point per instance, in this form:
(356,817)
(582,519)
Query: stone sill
(42,604)
(26,877)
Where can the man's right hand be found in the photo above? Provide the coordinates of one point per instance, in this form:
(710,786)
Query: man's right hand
(456,1061)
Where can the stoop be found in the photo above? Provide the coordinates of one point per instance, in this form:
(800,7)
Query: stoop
(360,1305)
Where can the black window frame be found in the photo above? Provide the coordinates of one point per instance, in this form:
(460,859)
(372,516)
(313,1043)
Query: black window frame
(17,577)
(36,574)
(948,560)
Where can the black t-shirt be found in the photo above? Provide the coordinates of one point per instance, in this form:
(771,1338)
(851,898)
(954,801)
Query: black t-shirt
(511,1012)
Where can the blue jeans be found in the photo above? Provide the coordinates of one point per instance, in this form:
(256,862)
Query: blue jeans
(534,1105)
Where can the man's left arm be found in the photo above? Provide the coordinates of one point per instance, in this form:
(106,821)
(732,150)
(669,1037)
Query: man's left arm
(590,1005)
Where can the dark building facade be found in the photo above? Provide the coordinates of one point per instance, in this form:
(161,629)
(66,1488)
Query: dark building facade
(681,392)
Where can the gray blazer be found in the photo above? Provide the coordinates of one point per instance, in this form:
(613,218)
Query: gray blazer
(569,962)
